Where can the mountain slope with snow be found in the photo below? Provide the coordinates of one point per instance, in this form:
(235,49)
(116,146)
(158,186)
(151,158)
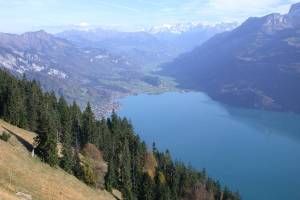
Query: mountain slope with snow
(148,47)
(187,27)
(75,72)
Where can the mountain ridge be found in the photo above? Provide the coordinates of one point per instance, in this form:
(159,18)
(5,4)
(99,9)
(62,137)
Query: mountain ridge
(62,66)
(147,47)
(256,64)
(185,27)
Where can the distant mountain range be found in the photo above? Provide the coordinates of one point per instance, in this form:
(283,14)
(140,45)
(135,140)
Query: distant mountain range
(190,27)
(255,65)
(99,65)
(149,47)
(43,52)
(185,37)
(78,73)
(140,47)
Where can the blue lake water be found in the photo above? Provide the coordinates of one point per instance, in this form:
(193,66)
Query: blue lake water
(255,152)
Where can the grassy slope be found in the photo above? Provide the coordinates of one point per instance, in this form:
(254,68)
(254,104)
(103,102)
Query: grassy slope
(21,173)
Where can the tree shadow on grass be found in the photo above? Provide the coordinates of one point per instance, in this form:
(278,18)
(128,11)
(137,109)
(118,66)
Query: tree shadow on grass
(26,144)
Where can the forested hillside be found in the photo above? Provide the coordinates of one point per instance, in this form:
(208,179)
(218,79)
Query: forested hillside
(77,142)
(23,177)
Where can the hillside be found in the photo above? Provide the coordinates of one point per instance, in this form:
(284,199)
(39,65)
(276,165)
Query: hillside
(79,73)
(255,65)
(104,153)
(23,176)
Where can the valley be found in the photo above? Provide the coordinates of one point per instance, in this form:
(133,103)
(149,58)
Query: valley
(81,74)
(100,66)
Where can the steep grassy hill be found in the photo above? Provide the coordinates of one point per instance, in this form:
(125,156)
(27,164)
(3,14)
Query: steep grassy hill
(24,177)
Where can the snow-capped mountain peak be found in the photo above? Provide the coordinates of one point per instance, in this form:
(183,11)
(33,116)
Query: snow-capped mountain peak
(173,28)
(185,27)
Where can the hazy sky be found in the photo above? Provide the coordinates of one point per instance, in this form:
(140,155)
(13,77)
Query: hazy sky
(26,15)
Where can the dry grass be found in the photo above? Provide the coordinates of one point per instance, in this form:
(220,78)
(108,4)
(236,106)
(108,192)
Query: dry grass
(4,195)
(21,173)
(25,135)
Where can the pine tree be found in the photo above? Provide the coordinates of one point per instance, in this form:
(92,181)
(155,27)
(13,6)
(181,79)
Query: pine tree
(13,109)
(67,161)
(88,126)
(75,125)
(65,122)
(114,121)
(162,192)
(23,121)
(172,179)
(105,140)
(146,188)
(3,91)
(33,94)
(125,171)
(110,177)
(52,105)
(47,139)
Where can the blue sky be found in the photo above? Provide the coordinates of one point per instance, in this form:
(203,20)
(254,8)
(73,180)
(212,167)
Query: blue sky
(53,15)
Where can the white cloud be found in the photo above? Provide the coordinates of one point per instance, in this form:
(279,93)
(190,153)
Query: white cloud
(84,24)
(241,4)
(246,6)
(236,10)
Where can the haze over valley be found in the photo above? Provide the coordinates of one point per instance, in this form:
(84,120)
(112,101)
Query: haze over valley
(100,65)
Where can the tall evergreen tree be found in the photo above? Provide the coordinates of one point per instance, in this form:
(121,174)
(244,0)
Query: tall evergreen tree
(88,126)
(13,111)
(125,171)
(65,130)
(110,177)
(162,191)
(146,191)
(105,140)
(67,161)
(33,94)
(47,139)
(75,125)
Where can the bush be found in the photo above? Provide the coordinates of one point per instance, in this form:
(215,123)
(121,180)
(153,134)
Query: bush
(91,151)
(88,175)
(94,166)
(5,136)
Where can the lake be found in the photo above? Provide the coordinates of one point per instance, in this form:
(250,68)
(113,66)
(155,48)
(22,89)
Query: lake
(253,151)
